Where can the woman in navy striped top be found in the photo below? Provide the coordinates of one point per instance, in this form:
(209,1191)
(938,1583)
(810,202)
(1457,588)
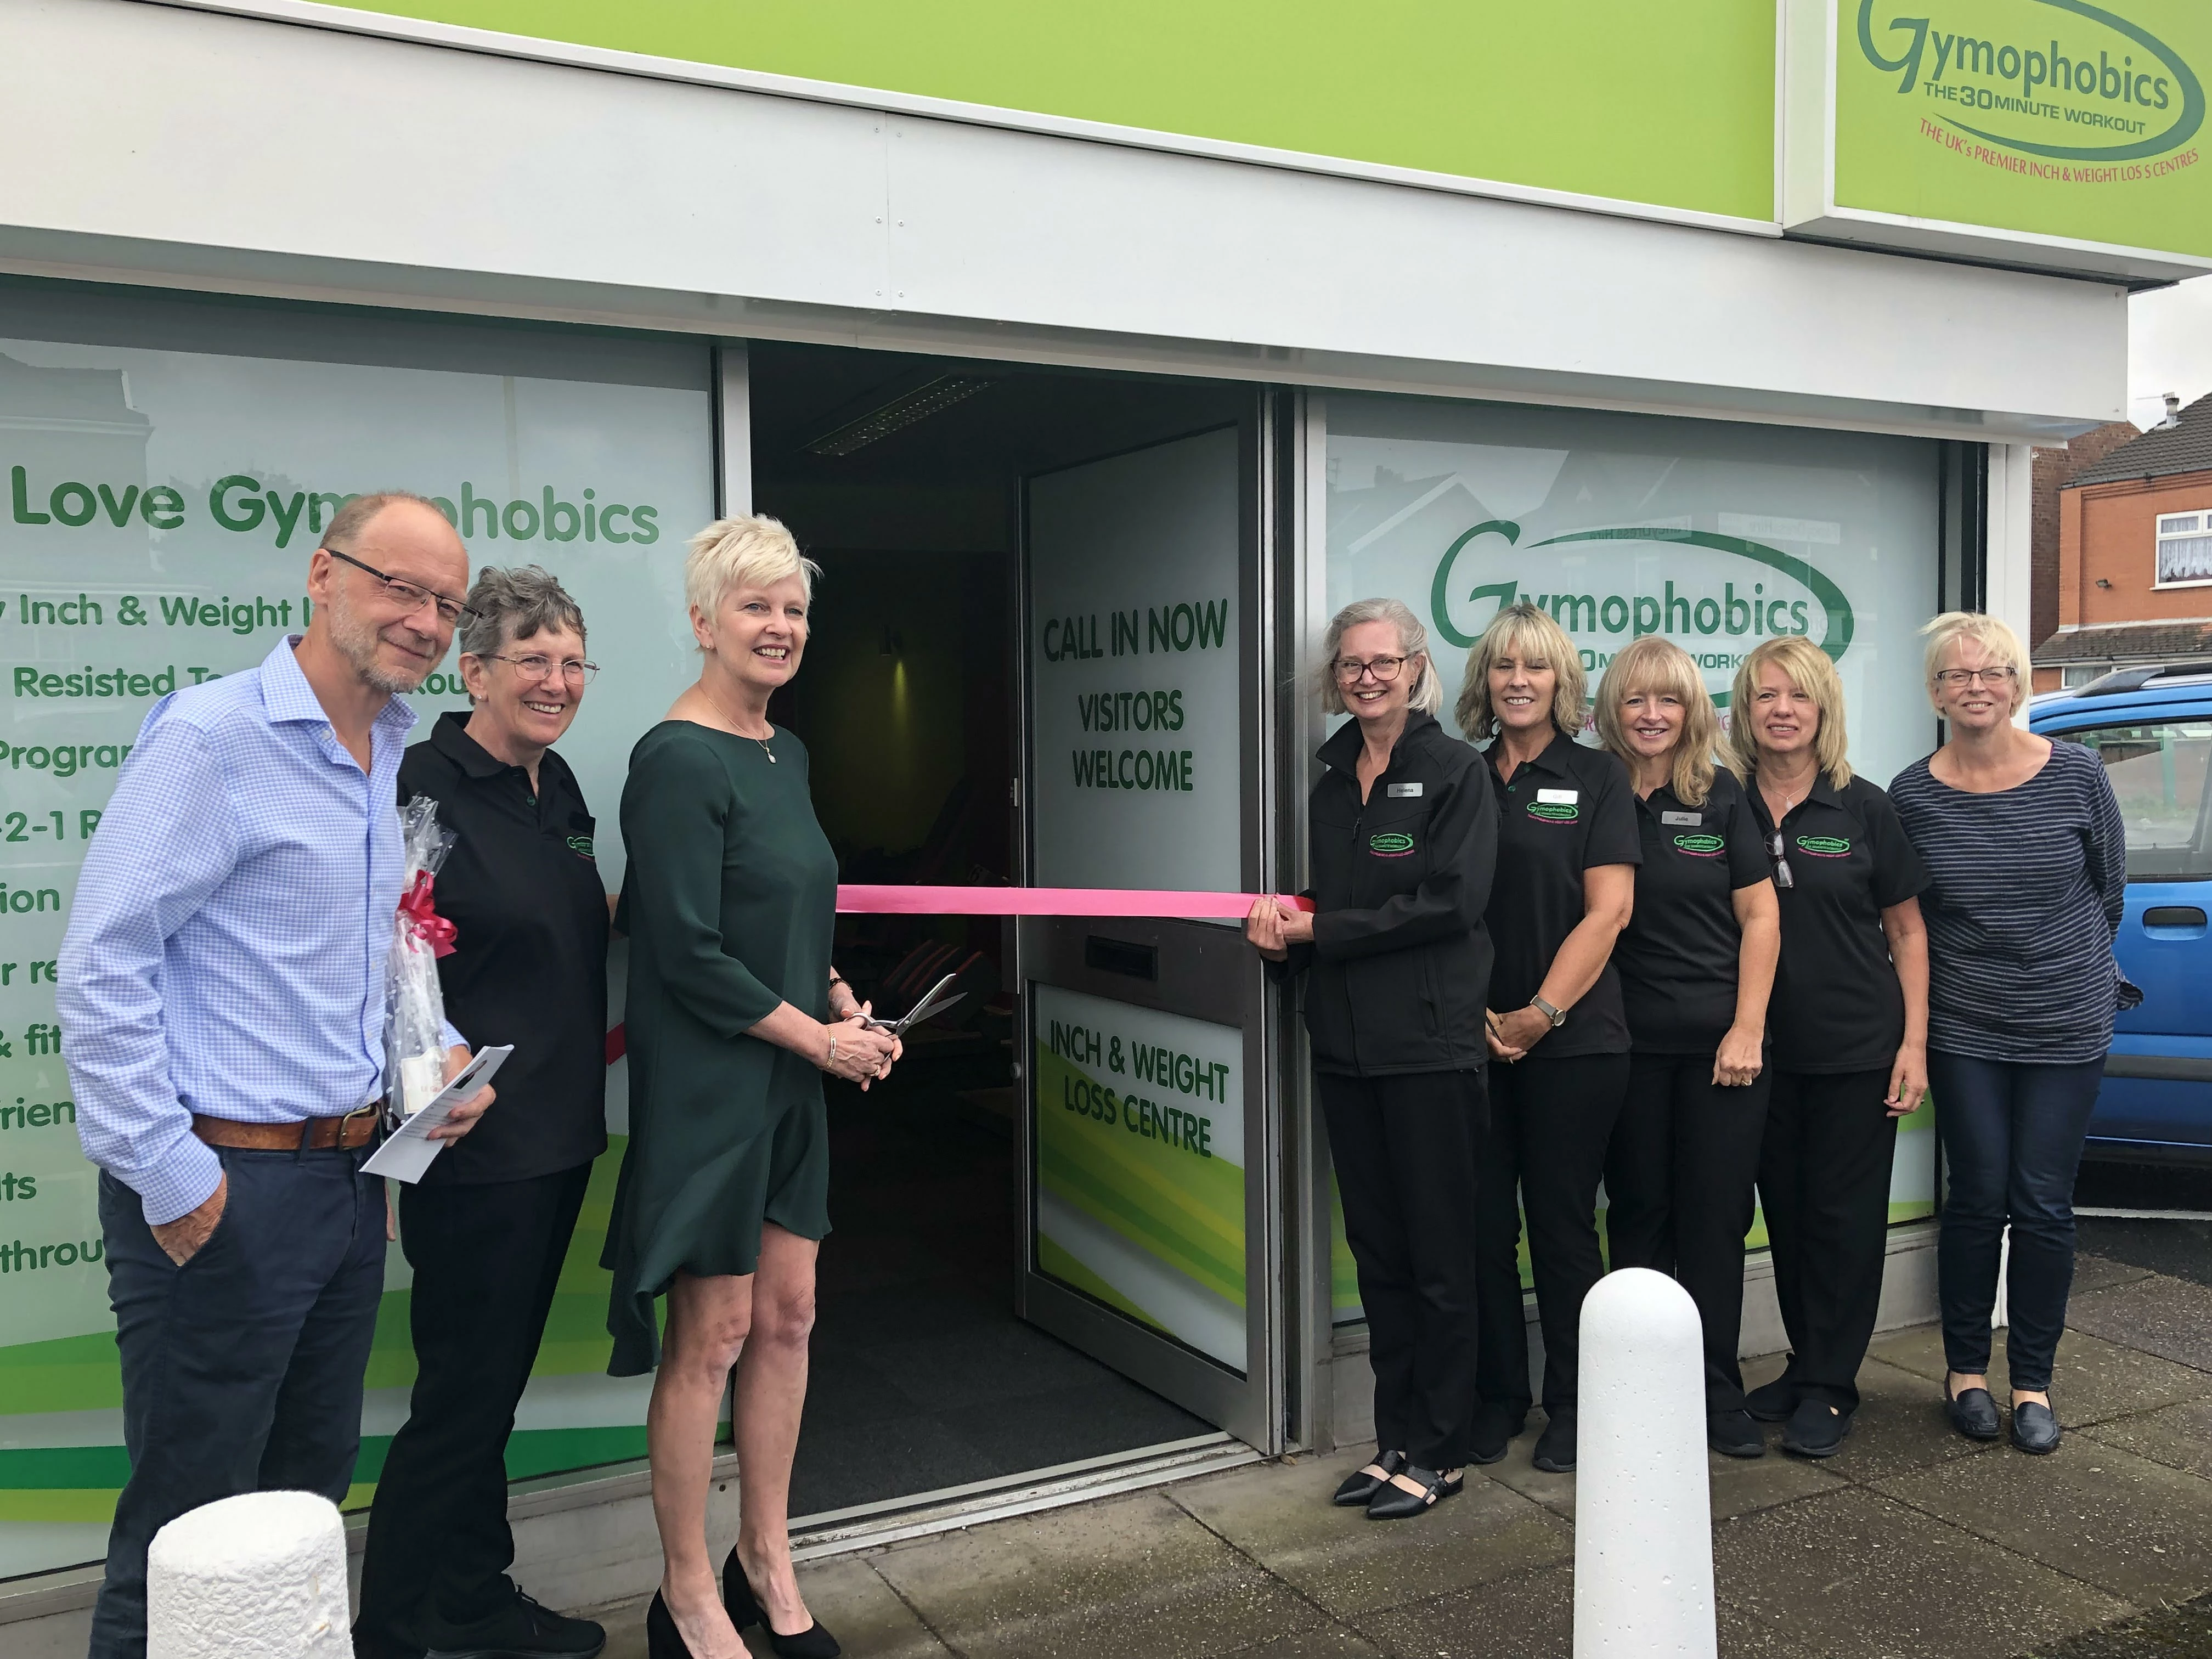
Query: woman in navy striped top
(2024,843)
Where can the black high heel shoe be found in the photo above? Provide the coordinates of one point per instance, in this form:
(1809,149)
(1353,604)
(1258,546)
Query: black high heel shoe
(745,1610)
(662,1639)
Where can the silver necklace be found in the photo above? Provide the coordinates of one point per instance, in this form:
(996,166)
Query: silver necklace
(732,724)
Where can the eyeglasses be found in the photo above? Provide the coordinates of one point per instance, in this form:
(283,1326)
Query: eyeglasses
(538,666)
(412,595)
(1780,860)
(1955,677)
(1384,669)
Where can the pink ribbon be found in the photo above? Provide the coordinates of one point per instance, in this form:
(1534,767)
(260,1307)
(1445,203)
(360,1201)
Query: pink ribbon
(423,920)
(907,901)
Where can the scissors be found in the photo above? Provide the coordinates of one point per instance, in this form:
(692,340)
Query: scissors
(936,1002)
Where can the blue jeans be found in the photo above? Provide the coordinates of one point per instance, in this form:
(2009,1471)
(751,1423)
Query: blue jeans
(242,1370)
(2012,1142)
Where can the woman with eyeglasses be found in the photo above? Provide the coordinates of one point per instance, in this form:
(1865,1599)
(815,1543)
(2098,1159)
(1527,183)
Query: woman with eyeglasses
(1567,853)
(486,1229)
(1849,1023)
(1403,836)
(2028,857)
(1697,966)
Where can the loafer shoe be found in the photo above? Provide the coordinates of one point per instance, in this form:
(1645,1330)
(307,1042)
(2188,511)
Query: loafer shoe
(1974,1414)
(1772,1402)
(2034,1428)
(524,1629)
(1494,1429)
(1816,1429)
(1555,1447)
(1360,1485)
(1392,1502)
(1733,1434)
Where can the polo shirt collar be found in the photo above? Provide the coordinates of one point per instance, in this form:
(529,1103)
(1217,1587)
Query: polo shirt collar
(285,696)
(1341,750)
(1823,790)
(449,736)
(1554,758)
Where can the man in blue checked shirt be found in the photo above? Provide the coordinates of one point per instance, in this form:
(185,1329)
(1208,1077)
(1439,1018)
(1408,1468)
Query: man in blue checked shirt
(222,989)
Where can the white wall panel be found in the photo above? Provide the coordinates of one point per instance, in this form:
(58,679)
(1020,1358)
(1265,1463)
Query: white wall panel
(159,144)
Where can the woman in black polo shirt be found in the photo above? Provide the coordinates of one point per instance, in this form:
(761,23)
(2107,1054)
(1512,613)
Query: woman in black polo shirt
(487,1229)
(1848,1022)
(1696,965)
(1567,850)
(1402,838)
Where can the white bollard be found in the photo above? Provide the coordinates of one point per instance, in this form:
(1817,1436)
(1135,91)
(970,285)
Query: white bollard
(1644,1536)
(261,1576)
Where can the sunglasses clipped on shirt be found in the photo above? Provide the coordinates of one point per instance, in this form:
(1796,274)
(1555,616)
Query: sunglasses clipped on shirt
(1780,858)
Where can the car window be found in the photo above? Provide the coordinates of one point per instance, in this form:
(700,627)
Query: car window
(2160,772)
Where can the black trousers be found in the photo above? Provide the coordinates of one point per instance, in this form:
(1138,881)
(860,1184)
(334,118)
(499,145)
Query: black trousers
(1823,1180)
(486,1260)
(242,1369)
(1551,1121)
(1679,1184)
(1405,1150)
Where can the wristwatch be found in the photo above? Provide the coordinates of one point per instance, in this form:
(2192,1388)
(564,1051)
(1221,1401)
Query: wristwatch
(1557,1015)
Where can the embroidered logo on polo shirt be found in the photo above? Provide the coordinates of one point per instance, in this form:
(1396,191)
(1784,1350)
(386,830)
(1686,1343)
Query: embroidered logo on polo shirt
(1701,846)
(1824,847)
(1390,845)
(581,847)
(1554,811)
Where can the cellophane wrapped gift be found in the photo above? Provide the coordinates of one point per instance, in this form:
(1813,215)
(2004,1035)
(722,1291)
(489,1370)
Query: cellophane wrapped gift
(414,1039)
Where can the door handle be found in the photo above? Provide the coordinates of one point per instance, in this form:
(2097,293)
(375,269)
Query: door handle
(2173,916)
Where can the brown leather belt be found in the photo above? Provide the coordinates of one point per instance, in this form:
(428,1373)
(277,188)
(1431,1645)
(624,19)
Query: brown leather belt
(357,1129)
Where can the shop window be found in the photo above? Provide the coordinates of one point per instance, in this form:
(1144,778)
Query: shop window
(2185,549)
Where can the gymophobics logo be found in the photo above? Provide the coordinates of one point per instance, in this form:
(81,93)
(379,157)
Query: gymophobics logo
(1390,845)
(2061,79)
(1824,847)
(1701,846)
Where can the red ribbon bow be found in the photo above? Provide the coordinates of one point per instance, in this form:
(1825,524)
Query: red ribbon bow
(422,920)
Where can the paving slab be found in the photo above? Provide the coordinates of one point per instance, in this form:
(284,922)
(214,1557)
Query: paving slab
(1132,1575)
(1854,1575)
(1279,1515)
(2100,1273)
(2179,1436)
(1328,1644)
(2093,1379)
(2137,1529)
(1899,1425)
(1740,1484)
(2170,1317)
(1529,1617)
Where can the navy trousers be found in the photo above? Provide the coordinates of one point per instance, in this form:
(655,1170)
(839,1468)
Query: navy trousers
(2012,1138)
(242,1369)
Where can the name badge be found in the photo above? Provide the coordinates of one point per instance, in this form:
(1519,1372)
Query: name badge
(1687,820)
(1402,791)
(1557,796)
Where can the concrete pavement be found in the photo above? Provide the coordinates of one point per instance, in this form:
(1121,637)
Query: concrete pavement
(1910,1542)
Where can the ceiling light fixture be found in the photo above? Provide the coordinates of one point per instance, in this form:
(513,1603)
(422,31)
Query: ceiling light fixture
(931,396)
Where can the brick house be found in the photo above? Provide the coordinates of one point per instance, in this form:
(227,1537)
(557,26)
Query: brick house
(2134,578)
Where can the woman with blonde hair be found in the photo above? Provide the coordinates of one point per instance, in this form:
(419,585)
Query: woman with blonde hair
(734,1014)
(2028,857)
(1403,836)
(1567,851)
(1697,963)
(1849,1023)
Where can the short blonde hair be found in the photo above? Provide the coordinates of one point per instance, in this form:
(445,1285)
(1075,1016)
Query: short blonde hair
(1657,665)
(1812,672)
(742,552)
(1993,635)
(1428,692)
(1529,631)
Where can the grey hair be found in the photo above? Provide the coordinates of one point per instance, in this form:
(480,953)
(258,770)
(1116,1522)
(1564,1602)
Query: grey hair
(350,520)
(1428,692)
(514,605)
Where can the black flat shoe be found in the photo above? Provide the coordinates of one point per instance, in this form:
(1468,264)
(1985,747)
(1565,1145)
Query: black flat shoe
(1555,1447)
(1494,1429)
(1816,1429)
(1394,1503)
(1974,1414)
(1772,1402)
(2034,1428)
(1360,1485)
(745,1611)
(1733,1434)
(662,1639)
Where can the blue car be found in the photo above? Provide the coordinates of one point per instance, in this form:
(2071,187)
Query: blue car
(2153,729)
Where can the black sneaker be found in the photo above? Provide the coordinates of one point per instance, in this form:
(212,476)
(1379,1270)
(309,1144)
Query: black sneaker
(1816,1429)
(523,1629)
(1494,1429)
(1555,1447)
(370,1642)
(1733,1434)
(1772,1402)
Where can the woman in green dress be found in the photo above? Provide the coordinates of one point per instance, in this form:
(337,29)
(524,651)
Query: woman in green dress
(734,1013)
